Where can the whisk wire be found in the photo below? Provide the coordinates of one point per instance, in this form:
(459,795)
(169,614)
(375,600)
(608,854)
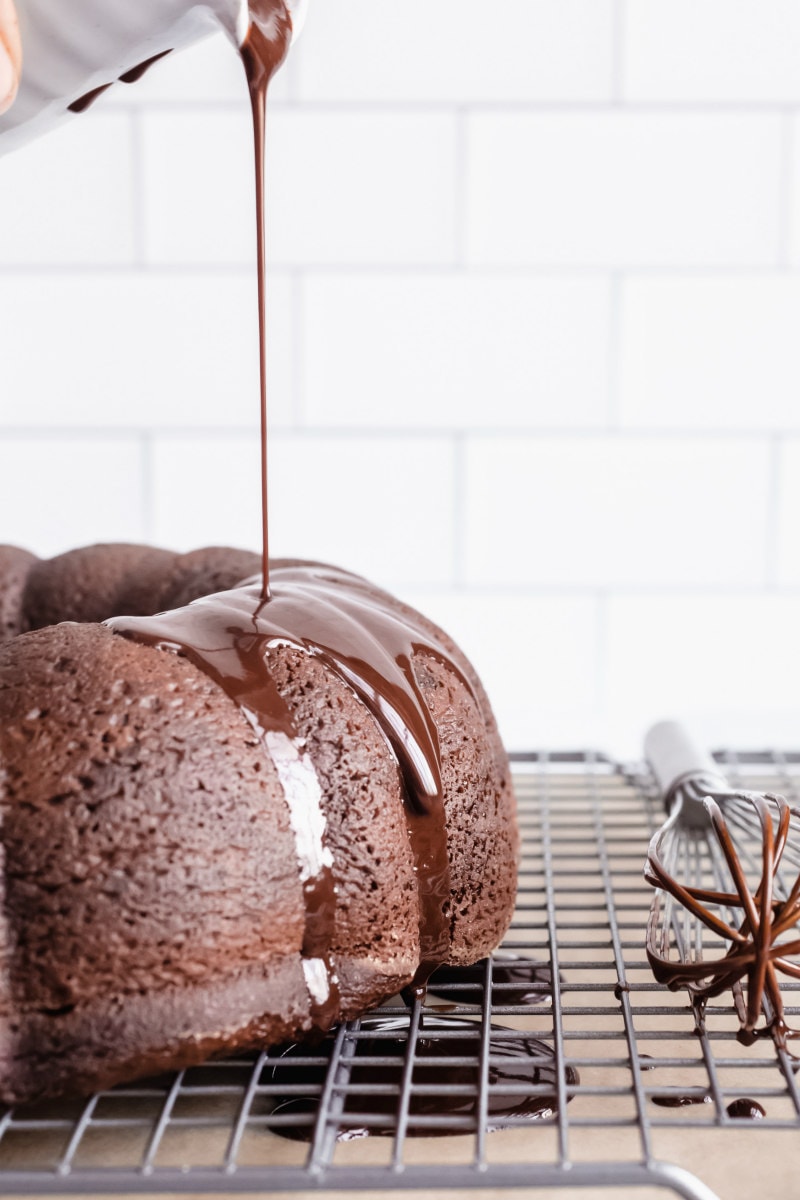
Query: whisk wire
(726,863)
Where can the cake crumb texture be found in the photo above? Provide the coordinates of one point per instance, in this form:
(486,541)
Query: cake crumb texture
(153,912)
(151,892)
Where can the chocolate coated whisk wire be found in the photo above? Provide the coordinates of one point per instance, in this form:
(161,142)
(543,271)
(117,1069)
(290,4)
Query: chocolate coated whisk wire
(726,863)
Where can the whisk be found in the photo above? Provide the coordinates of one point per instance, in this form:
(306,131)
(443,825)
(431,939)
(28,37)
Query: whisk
(726,866)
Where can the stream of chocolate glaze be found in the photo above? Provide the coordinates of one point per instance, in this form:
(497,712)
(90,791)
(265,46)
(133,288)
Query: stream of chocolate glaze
(369,642)
(359,633)
(263,51)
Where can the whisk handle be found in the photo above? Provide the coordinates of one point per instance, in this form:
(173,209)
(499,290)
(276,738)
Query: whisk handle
(675,760)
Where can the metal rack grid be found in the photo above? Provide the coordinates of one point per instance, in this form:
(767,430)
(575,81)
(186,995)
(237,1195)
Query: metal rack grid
(582,908)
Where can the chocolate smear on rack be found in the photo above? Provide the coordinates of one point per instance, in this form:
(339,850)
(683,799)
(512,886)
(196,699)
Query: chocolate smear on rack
(517,1062)
(516,982)
(681,1099)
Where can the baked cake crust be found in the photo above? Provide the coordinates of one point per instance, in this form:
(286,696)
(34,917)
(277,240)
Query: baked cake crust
(153,909)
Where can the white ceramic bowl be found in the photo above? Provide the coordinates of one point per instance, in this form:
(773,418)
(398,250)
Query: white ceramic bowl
(72,47)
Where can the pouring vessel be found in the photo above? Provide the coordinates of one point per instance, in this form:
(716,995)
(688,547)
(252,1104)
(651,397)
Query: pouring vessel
(74,49)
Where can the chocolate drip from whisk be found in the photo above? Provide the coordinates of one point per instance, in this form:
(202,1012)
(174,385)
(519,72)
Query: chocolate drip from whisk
(759,945)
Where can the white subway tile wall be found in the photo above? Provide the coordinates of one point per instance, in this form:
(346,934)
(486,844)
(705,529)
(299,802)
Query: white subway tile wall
(533,339)
(70,201)
(142,349)
(621,188)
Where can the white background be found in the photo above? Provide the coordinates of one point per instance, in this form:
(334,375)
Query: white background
(534,327)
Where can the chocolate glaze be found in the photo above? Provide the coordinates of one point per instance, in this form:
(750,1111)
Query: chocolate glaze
(515,1060)
(362,636)
(746,1109)
(680,1099)
(756,950)
(515,981)
(777,1029)
(356,631)
(88,98)
(265,47)
(263,51)
(138,71)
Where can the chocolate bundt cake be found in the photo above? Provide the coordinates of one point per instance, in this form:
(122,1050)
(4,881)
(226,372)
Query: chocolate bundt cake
(234,822)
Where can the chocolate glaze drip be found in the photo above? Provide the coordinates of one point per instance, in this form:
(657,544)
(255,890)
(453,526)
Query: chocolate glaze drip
(515,981)
(358,633)
(524,1063)
(263,51)
(746,1109)
(138,71)
(330,615)
(83,102)
(777,1029)
(87,99)
(680,1099)
(362,636)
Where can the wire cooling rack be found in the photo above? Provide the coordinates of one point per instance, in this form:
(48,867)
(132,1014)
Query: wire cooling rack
(648,1108)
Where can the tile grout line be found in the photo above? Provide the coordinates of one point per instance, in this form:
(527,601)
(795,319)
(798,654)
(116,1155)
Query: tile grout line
(618,32)
(553,270)
(614,351)
(773,509)
(147,449)
(459,552)
(461,189)
(600,689)
(138,193)
(531,433)
(299,397)
(538,106)
(786,189)
(607,591)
